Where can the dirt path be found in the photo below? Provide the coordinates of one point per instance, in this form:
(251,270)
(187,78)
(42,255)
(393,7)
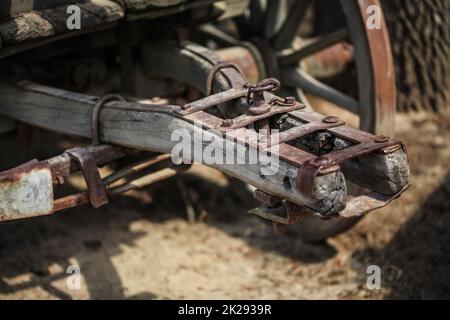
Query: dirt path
(141,246)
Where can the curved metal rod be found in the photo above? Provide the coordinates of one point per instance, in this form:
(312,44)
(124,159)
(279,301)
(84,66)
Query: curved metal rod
(256,16)
(275,13)
(298,78)
(216,68)
(214,33)
(314,46)
(284,38)
(96,115)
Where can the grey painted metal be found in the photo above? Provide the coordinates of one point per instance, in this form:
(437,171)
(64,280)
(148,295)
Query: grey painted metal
(26,194)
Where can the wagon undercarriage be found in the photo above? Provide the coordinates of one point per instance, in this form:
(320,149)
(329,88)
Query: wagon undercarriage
(207,98)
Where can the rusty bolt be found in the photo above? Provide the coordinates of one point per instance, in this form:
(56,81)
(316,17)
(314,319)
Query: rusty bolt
(289,100)
(227,123)
(381,139)
(330,119)
(60,180)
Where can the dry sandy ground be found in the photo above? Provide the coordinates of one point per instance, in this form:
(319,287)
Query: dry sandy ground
(142,247)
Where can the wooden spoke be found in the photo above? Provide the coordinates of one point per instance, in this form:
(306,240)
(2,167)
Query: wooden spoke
(222,38)
(316,45)
(298,78)
(275,14)
(288,31)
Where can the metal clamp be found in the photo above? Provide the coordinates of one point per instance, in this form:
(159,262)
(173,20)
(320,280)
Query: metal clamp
(95,119)
(216,68)
(307,174)
(88,165)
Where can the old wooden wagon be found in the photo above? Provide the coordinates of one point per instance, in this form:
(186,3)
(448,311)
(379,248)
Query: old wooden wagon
(127,74)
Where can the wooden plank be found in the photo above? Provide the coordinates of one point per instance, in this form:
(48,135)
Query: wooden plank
(151,128)
(9,8)
(53,21)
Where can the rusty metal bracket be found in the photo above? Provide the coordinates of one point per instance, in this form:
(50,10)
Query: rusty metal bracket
(307,128)
(309,170)
(246,119)
(260,112)
(88,165)
(362,143)
(365,203)
(211,101)
(280,212)
(330,162)
(283,213)
(28,190)
(216,68)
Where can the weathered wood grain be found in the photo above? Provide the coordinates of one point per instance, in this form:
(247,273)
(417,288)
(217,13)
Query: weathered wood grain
(53,21)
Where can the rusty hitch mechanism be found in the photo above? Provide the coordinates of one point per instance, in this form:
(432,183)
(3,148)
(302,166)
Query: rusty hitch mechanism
(283,213)
(28,190)
(357,146)
(316,153)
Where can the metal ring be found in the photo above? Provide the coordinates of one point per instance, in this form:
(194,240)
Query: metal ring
(96,115)
(268,84)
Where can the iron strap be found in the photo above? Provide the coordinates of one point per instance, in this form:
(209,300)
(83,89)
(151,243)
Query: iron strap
(88,165)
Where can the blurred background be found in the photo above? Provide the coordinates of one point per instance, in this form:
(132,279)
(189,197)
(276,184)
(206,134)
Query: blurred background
(190,237)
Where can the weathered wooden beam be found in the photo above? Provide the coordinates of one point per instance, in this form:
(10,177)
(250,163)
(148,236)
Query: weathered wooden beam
(51,21)
(150,127)
(386,173)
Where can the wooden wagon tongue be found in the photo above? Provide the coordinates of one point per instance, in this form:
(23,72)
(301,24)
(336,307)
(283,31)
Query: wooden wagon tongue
(315,153)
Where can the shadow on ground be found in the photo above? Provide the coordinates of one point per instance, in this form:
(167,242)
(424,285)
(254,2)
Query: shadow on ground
(415,264)
(33,247)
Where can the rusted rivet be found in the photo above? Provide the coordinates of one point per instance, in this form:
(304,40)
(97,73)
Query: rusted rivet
(330,119)
(60,180)
(289,100)
(381,139)
(227,123)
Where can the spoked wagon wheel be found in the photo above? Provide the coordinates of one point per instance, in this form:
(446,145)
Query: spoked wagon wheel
(265,41)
